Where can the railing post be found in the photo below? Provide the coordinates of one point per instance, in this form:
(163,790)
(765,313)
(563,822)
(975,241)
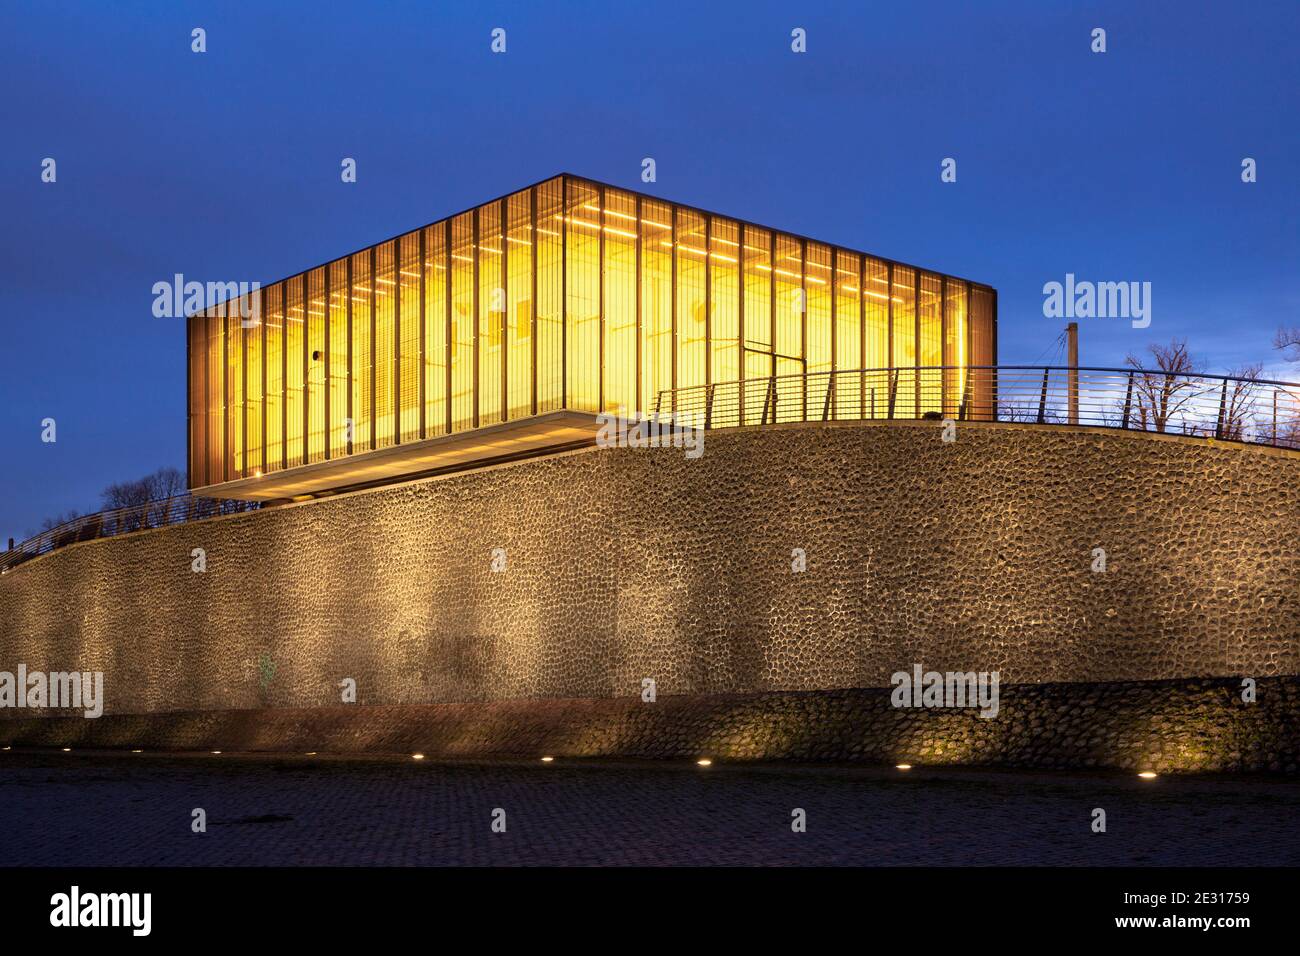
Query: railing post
(708,406)
(1223,407)
(659,400)
(768,401)
(830,394)
(965,400)
(1072,379)
(893,390)
(1128,402)
(1042,397)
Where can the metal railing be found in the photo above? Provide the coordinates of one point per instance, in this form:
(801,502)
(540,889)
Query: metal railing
(1257,411)
(106,524)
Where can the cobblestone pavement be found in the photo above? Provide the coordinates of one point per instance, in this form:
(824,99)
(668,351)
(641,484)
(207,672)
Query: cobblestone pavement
(135,810)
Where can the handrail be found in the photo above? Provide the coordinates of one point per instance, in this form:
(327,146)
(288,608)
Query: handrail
(160,513)
(1014,368)
(1204,405)
(1126,370)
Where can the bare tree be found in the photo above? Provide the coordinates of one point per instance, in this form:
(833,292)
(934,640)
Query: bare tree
(168,483)
(1010,410)
(1287,431)
(1238,402)
(144,500)
(49,524)
(125,494)
(1161,393)
(1288,339)
(157,499)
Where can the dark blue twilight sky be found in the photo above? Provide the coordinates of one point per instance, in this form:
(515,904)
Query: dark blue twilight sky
(225,165)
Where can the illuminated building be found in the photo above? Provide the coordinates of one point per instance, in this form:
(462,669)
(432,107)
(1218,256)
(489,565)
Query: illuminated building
(502,331)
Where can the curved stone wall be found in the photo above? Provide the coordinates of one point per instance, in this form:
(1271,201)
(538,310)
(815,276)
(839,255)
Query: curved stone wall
(629,564)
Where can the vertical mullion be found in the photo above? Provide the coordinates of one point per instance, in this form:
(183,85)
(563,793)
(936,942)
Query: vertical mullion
(447,343)
(771,261)
(968,353)
(243,372)
(672,286)
(916,343)
(970,337)
(993,350)
(564,292)
(284,374)
(228,386)
(993,326)
(740,325)
(476,242)
(261,320)
(397,341)
(421,365)
(189,401)
(226,427)
(708,301)
(351,418)
(374,349)
(205,463)
(504,220)
(945,375)
(207,402)
(889,302)
(306,370)
(328,292)
(835,333)
(284,364)
(862,335)
(190,424)
(803,321)
(639,239)
(532,305)
(600,301)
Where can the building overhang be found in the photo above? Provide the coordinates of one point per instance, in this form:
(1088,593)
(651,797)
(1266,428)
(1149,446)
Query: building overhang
(535,435)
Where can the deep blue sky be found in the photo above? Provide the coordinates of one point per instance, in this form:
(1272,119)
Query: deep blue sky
(225,165)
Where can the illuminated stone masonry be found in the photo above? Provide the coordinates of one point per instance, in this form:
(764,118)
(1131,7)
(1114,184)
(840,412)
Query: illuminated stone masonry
(1191,725)
(618,565)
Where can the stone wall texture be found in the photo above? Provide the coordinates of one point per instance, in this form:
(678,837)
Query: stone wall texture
(1195,725)
(627,564)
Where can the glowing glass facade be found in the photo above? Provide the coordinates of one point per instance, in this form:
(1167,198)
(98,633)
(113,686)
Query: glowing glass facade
(569,294)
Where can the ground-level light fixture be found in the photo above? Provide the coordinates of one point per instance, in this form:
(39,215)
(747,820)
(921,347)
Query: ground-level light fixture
(417,756)
(137,751)
(67,750)
(547,759)
(1147,775)
(705,762)
(903,766)
(216,751)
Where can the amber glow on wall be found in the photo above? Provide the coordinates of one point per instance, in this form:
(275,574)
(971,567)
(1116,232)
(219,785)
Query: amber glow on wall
(567,295)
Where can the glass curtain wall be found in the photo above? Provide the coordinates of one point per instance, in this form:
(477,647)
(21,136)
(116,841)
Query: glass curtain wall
(574,295)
